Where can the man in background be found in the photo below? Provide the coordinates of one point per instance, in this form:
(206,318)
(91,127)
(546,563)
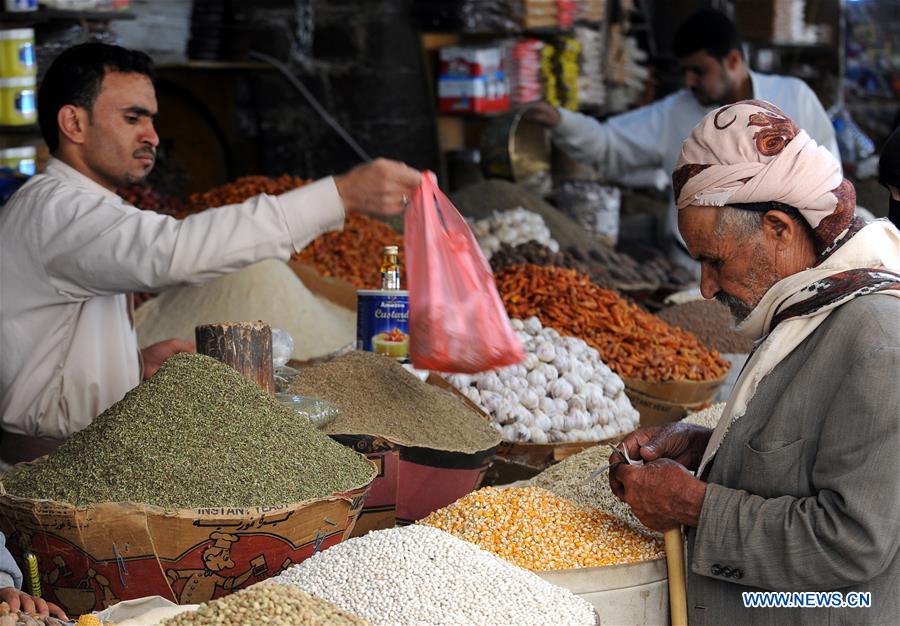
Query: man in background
(708,47)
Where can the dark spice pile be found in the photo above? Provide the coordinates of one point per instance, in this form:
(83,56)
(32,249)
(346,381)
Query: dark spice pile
(711,322)
(537,254)
(196,434)
(626,271)
(378,397)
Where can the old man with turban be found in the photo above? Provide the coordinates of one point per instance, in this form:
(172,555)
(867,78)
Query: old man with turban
(797,488)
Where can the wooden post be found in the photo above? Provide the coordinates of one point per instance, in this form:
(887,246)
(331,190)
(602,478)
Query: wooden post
(245,346)
(675,562)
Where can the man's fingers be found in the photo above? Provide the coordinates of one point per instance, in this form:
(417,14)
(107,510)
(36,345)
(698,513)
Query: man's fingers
(13,601)
(670,442)
(652,450)
(55,611)
(400,174)
(27,603)
(40,607)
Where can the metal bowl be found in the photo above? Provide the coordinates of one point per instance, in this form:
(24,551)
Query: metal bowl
(515,148)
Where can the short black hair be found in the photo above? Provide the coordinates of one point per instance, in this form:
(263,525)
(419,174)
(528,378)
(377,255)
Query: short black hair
(709,30)
(75,77)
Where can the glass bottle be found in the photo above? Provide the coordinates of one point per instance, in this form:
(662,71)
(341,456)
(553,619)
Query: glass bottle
(390,268)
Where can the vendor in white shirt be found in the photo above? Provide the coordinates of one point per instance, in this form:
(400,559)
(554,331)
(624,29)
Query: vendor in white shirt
(71,249)
(708,48)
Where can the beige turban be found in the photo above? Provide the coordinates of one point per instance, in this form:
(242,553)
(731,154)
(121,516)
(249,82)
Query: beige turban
(751,152)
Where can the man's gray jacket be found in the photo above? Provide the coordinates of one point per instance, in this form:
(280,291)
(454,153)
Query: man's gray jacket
(804,492)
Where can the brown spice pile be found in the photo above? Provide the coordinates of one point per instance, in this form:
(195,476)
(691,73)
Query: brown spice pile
(711,322)
(631,341)
(378,397)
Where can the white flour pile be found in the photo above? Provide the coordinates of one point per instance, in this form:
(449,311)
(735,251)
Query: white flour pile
(267,291)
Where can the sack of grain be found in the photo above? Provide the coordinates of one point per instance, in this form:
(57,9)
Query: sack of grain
(194,485)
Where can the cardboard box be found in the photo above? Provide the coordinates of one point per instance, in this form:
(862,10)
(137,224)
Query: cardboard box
(677,391)
(656,412)
(471,61)
(91,557)
(473,95)
(541,456)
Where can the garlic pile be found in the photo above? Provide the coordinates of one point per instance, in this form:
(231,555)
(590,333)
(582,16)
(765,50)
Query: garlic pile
(512,227)
(561,392)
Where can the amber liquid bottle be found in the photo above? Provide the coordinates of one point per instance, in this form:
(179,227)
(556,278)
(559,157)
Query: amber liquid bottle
(390,268)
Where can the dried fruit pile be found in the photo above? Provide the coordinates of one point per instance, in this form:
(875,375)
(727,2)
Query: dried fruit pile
(354,254)
(144,197)
(239,190)
(631,341)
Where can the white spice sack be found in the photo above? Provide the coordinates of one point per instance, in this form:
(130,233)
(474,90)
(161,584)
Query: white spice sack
(267,291)
(422,575)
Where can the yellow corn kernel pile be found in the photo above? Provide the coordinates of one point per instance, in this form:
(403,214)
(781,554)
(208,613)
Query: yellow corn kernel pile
(539,531)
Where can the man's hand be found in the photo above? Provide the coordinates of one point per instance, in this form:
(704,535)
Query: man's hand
(544,113)
(683,443)
(382,187)
(19,600)
(662,494)
(680,442)
(157,354)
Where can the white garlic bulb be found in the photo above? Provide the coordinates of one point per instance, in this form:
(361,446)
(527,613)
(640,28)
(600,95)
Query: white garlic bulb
(546,352)
(561,389)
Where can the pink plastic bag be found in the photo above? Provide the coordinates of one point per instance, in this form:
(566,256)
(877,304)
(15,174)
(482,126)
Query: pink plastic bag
(457,322)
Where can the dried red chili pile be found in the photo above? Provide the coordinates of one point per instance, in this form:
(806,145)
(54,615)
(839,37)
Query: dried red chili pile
(239,190)
(355,253)
(630,340)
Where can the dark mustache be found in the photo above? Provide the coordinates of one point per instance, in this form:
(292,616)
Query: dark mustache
(143,151)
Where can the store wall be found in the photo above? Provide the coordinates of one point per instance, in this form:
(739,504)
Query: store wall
(367,69)
(363,62)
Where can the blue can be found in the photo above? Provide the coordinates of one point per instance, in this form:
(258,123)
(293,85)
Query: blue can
(382,322)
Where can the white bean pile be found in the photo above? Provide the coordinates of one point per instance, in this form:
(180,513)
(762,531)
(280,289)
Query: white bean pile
(421,575)
(561,392)
(512,227)
(708,417)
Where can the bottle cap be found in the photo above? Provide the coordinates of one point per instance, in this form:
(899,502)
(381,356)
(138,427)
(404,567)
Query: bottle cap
(391,250)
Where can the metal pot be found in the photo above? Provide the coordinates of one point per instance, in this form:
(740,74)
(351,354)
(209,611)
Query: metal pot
(516,148)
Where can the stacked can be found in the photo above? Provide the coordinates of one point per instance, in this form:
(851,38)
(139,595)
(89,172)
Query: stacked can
(18,71)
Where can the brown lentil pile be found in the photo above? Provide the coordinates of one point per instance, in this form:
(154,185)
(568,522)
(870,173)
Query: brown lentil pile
(536,530)
(631,341)
(711,322)
(9,617)
(536,254)
(569,479)
(239,190)
(196,434)
(378,397)
(354,254)
(267,604)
